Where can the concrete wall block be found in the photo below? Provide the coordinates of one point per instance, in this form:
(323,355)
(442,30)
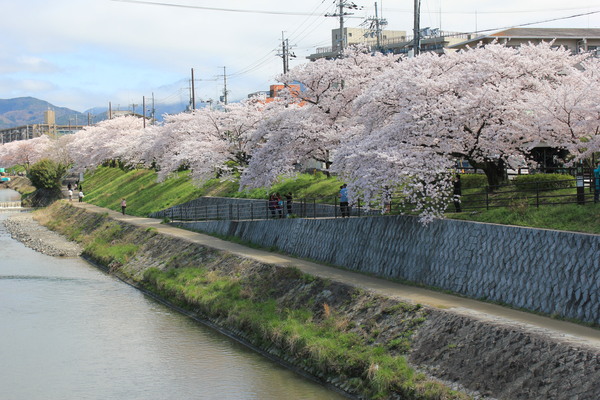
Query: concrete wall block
(550,271)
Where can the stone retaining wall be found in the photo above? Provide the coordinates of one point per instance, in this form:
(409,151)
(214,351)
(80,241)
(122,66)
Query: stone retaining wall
(540,270)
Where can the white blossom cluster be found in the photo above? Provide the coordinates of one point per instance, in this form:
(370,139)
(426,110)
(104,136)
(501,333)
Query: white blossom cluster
(384,123)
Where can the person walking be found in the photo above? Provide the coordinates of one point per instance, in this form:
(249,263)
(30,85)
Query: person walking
(123,206)
(288,202)
(343,195)
(597,183)
(81,196)
(279,205)
(272,204)
(70,195)
(457,193)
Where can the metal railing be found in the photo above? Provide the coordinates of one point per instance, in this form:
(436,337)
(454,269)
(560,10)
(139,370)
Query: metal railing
(10,204)
(522,195)
(246,209)
(519,195)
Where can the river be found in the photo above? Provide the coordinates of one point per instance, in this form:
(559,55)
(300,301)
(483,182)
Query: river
(70,331)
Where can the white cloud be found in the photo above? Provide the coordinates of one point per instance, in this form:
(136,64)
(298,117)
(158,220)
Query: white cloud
(96,51)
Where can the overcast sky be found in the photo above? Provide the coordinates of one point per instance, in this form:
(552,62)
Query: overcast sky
(86,53)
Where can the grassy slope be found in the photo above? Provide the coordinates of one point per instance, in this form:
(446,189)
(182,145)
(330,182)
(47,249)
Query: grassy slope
(568,217)
(106,186)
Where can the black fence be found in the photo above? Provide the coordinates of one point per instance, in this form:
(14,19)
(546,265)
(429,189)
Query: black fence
(514,195)
(523,194)
(248,209)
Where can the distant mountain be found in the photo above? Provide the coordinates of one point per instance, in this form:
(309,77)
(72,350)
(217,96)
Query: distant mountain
(29,110)
(101,113)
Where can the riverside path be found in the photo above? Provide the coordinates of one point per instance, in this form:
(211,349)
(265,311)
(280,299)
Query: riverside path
(560,330)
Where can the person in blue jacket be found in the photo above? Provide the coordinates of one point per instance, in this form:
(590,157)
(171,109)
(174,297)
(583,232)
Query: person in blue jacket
(344,208)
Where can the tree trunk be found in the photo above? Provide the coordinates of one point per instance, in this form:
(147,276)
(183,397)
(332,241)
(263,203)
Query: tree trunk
(495,171)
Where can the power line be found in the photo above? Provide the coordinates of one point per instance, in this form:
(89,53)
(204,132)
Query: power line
(531,23)
(237,10)
(497,11)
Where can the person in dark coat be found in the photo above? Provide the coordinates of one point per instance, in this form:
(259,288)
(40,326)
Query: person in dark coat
(288,202)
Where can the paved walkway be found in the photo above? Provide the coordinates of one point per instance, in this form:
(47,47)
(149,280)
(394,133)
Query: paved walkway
(561,330)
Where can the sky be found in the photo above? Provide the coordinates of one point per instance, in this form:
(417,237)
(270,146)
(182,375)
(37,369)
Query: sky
(82,54)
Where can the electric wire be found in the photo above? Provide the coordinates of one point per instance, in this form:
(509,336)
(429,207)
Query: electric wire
(530,23)
(400,10)
(237,10)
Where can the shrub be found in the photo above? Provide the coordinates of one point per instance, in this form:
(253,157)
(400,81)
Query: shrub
(468,181)
(47,174)
(544,181)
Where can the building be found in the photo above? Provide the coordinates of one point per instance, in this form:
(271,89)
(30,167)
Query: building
(576,39)
(274,92)
(49,127)
(396,42)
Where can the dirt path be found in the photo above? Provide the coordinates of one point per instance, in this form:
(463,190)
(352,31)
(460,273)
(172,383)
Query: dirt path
(566,332)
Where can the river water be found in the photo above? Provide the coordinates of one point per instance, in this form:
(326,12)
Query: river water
(70,331)
(9,195)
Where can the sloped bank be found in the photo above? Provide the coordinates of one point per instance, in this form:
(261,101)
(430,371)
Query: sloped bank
(342,335)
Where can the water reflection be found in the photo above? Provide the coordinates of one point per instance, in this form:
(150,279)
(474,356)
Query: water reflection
(71,332)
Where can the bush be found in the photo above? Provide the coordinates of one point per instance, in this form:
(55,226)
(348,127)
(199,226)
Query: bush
(47,174)
(469,181)
(544,181)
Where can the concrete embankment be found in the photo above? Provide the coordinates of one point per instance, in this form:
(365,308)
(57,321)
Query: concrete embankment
(484,354)
(553,272)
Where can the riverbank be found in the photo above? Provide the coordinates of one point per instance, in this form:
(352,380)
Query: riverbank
(498,357)
(24,228)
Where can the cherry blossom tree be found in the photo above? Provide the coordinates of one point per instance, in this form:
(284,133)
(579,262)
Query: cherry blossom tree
(474,105)
(206,141)
(25,152)
(569,115)
(317,120)
(108,140)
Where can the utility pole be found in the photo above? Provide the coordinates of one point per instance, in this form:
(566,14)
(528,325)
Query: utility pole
(224,85)
(193,97)
(144,110)
(285,53)
(342,4)
(375,25)
(417,28)
(153,110)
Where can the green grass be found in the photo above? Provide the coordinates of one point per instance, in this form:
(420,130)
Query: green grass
(106,186)
(321,344)
(568,217)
